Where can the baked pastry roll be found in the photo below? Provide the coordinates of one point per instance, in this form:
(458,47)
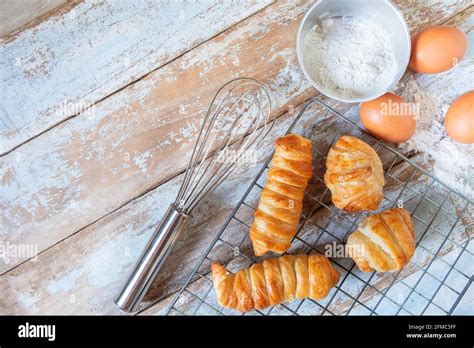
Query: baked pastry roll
(274,281)
(383,242)
(354,175)
(278,212)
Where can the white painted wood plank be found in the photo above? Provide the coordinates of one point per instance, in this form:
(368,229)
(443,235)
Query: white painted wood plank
(68,62)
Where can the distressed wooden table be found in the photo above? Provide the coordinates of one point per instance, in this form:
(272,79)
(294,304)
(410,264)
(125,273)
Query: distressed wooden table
(100,105)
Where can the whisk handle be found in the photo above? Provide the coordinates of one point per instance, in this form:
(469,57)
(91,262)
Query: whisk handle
(152,258)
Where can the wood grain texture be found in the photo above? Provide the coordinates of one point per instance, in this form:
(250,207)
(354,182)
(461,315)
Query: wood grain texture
(68,177)
(68,62)
(50,196)
(16,13)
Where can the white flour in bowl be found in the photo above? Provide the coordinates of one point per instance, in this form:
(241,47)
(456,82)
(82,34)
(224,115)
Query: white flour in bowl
(352,57)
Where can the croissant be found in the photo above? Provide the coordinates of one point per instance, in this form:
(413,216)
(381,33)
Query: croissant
(274,281)
(383,242)
(354,175)
(278,212)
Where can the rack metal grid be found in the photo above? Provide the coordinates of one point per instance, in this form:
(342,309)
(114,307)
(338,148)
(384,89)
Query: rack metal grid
(435,280)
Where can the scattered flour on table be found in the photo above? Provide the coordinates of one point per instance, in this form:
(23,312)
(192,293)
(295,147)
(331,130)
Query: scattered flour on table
(453,163)
(351,56)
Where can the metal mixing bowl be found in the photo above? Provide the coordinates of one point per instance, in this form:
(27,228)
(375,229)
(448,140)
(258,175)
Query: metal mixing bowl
(382,12)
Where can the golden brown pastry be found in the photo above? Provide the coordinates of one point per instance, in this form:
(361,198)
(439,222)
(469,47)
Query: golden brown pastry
(274,281)
(278,212)
(354,175)
(383,242)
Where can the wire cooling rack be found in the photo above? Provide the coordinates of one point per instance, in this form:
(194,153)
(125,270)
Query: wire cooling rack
(435,280)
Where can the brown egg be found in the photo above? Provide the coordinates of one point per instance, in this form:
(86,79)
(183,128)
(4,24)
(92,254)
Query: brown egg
(437,49)
(388,118)
(460,119)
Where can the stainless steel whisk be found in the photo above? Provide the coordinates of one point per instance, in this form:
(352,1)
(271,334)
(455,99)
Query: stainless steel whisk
(236,122)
